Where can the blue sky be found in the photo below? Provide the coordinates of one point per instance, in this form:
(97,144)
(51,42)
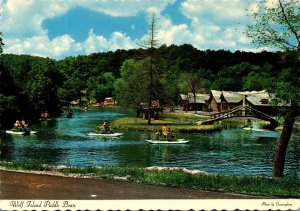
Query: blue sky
(61,28)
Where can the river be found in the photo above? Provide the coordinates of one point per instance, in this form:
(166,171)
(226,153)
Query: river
(63,141)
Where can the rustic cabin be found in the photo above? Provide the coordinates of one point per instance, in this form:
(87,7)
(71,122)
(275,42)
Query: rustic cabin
(230,100)
(189,103)
(153,110)
(225,100)
(214,101)
(260,101)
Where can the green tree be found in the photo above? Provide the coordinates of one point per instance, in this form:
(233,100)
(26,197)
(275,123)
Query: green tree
(70,90)
(278,26)
(192,83)
(41,88)
(100,87)
(151,42)
(130,90)
(257,81)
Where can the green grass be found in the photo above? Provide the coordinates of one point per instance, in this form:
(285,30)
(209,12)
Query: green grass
(176,125)
(262,186)
(19,165)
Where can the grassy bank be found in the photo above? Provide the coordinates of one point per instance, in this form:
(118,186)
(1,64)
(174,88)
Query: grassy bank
(285,187)
(177,122)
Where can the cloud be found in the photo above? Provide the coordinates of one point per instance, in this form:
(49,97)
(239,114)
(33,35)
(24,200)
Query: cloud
(24,18)
(218,22)
(65,45)
(42,46)
(95,43)
(212,24)
(23,32)
(122,8)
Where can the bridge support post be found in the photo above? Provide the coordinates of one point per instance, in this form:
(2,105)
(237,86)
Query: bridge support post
(244,106)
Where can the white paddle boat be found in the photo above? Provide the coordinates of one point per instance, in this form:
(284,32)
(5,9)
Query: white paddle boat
(20,132)
(174,141)
(106,134)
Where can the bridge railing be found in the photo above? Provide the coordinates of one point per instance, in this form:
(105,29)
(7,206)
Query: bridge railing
(241,111)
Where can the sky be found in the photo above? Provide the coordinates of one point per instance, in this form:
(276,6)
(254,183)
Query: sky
(62,28)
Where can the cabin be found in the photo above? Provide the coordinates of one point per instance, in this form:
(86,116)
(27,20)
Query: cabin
(226,100)
(230,100)
(261,101)
(153,110)
(189,103)
(214,101)
(109,101)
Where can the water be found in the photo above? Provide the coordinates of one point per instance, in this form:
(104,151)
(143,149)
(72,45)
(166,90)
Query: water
(63,141)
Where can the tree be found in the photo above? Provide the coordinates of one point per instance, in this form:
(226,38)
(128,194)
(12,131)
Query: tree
(278,26)
(151,42)
(101,86)
(192,83)
(42,86)
(130,89)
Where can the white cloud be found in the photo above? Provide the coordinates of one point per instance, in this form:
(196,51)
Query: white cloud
(214,25)
(65,45)
(218,22)
(42,46)
(24,18)
(95,43)
(23,32)
(173,34)
(119,8)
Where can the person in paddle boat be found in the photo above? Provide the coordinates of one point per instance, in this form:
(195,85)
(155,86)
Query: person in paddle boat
(24,126)
(169,133)
(45,115)
(20,126)
(17,126)
(166,132)
(69,114)
(105,128)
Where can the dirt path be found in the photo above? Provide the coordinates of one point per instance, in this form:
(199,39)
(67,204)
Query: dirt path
(18,185)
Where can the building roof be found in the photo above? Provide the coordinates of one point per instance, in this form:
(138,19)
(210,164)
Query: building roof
(258,98)
(216,95)
(200,98)
(232,97)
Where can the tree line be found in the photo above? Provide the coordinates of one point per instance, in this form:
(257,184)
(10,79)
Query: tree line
(31,85)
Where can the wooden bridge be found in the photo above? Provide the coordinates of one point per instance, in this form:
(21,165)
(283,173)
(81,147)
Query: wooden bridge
(244,111)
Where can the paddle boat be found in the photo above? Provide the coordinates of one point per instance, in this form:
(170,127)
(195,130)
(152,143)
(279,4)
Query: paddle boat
(45,119)
(170,141)
(20,132)
(253,129)
(105,134)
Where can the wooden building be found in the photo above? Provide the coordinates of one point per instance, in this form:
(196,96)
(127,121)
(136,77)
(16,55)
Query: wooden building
(189,103)
(225,100)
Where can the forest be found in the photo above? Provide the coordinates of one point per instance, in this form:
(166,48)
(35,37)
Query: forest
(30,85)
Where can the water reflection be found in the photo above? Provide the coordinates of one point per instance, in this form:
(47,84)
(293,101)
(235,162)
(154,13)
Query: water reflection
(64,141)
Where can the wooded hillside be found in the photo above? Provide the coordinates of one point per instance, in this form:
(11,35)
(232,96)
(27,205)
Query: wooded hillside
(30,85)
